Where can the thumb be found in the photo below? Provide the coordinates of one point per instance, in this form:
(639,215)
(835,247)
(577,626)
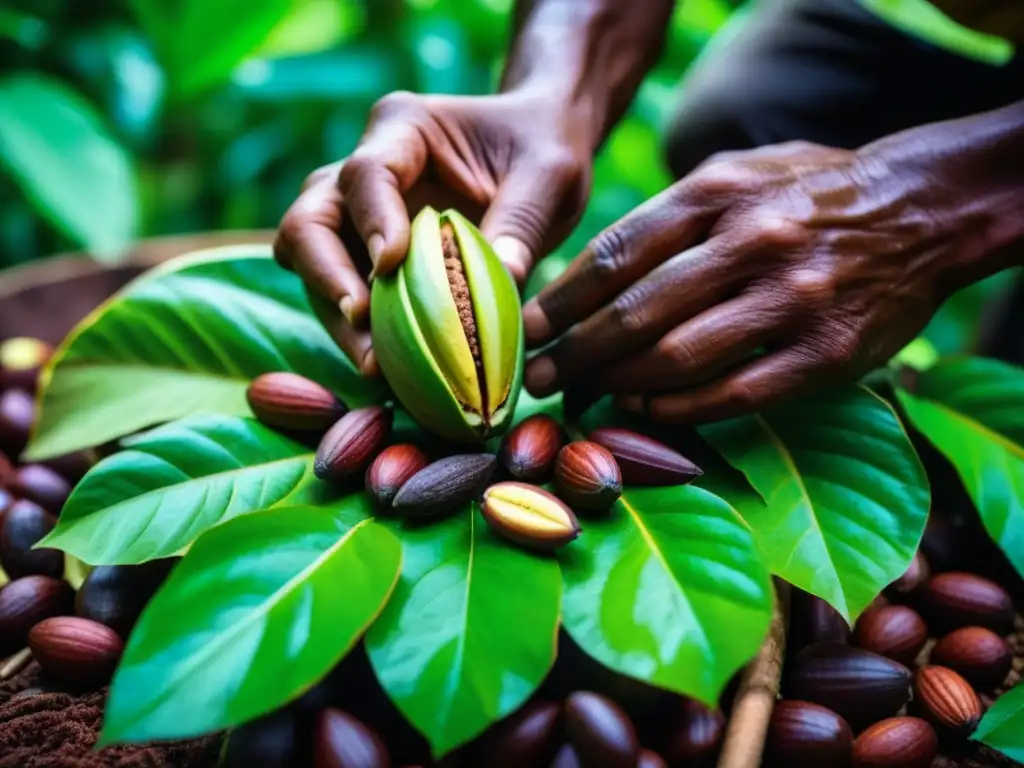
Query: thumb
(522,215)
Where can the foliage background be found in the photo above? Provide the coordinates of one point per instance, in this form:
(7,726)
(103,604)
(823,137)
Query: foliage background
(122,119)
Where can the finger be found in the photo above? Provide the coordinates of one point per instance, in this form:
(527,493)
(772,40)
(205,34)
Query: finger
(308,242)
(702,348)
(353,342)
(525,209)
(765,382)
(620,255)
(673,293)
(372,181)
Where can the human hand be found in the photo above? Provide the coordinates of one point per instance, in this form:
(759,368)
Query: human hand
(514,163)
(761,276)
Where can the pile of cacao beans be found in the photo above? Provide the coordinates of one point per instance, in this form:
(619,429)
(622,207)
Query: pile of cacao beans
(403,481)
(77,638)
(911,680)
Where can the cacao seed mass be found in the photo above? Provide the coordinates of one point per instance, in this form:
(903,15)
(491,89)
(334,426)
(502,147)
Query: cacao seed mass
(24,525)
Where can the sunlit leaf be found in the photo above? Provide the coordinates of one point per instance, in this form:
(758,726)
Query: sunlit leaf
(972,411)
(470,631)
(186,339)
(199,42)
(847,497)
(1002,727)
(257,613)
(170,485)
(668,589)
(55,145)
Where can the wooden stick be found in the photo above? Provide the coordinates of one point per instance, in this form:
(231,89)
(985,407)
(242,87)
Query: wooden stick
(14,664)
(745,734)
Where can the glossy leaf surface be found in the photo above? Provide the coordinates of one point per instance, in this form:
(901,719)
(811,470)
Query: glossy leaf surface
(257,612)
(55,145)
(470,631)
(1002,727)
(972,411)
(847,497)
(668,589)
(186,339)
(170,485)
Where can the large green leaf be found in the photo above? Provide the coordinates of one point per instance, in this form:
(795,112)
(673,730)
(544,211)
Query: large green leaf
(55,145)
(470,632)
(259,610)
(153,499)
(668,589)
(972,410)
(1002,727)
(847,497)
(186,339)
(199,42)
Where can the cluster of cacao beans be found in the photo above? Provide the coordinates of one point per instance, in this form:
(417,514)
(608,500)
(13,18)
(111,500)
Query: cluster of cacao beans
(77,638)
(403,480)
(913,677)
(347,722)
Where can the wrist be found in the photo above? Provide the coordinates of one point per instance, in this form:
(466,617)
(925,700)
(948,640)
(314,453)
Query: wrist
(967,181)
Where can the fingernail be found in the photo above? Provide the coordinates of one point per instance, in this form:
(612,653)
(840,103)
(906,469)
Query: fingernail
(535,322)
(375,246)
(345,305)
(633,403)
(541,373)
(514,255)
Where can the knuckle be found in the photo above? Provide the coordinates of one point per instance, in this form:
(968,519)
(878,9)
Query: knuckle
(725,178)
(679,351)
(774,230)
(317,176)
(627,313)
(394,103)
(838,345)
(609,253)
(355,168)
(741,395)
(811,287)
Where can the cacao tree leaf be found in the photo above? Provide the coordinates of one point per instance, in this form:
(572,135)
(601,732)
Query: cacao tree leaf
(1002,727)
(184,339)
(470,632)
(668,588)
(56,147)
(257,613)
(195,45)
(153,499)
(972,411)
(846,495)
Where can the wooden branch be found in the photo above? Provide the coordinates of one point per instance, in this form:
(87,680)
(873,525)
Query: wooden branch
(745,734)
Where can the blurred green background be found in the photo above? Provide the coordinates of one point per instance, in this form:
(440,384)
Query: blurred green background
(122,119)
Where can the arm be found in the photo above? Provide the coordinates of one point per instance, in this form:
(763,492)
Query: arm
(590,54)
(770,273)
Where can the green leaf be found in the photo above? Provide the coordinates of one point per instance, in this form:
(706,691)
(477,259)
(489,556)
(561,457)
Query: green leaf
(199,42)
(56,147)
(470,632)
(847,497)
(1002,727)
(972,411)
(259,610)
(153,499)
(668,589)
(186,339)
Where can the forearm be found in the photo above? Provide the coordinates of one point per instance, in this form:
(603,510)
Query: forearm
(587,56)
(978,162)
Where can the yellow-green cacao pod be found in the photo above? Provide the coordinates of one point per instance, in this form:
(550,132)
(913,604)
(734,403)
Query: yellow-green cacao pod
(447,330)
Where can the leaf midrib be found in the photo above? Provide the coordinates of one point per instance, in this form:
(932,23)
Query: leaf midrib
(652,544)
(790,463)
(304,457)
(217,646)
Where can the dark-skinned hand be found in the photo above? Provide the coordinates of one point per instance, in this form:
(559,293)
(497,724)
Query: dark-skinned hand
(511,162)
(763,275)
